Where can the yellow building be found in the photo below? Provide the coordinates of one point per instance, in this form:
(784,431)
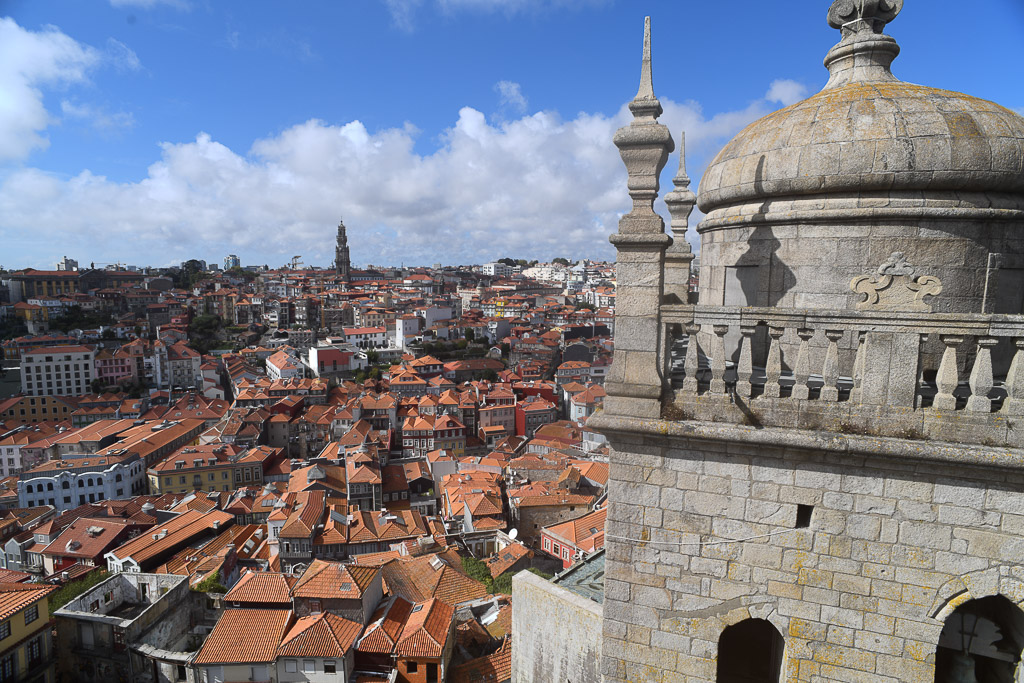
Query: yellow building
(209,467)
(26,648)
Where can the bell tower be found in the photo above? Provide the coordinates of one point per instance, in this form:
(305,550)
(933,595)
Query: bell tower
(342,265)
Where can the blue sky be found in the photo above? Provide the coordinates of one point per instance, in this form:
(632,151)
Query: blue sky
(453,131)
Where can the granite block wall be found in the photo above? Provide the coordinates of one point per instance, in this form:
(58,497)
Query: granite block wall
(861,594)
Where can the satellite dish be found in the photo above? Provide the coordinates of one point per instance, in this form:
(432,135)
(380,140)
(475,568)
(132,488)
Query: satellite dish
(512,534)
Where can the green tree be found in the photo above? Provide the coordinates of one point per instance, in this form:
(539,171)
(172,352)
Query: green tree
(470,334)
(372,357)
(238,271)
(507,261)
(563,261)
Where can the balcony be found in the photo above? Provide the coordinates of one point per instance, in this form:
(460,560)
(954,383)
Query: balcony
(911,375)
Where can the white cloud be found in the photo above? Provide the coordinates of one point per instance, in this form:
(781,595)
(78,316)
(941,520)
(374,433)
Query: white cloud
(786,92)
(120,56)
(403,11)
(533,187)
(30,60)
(98,118)
(511,95)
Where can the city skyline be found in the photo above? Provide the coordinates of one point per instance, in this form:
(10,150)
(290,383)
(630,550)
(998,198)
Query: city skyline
(154,132)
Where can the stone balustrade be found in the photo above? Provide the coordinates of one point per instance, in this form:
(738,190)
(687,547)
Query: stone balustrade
(918,374)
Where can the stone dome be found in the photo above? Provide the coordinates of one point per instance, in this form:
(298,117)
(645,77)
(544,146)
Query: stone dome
(868,132)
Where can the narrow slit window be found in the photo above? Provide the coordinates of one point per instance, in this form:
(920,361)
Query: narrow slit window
(803,516)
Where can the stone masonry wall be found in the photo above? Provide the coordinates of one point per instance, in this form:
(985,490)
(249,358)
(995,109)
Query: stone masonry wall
(861,595)
(556,634)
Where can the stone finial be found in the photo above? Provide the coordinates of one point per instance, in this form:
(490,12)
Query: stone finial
(680,202)
(646,89)
(896,287)
(865,54)
(644,146)
(855,16)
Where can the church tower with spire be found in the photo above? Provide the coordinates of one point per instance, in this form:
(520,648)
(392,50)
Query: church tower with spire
(816,469)
(342,265)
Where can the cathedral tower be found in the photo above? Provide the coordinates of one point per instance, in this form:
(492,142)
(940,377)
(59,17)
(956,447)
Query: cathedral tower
(342,264)
(801,488)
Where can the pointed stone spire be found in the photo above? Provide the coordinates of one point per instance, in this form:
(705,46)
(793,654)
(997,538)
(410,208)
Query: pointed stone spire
(679,255)
(636,381)
(644,146)
(681,200)
(646,90)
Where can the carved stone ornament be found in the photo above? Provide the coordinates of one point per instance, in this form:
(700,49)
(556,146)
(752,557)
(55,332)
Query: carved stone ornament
(852,16)
(895,287)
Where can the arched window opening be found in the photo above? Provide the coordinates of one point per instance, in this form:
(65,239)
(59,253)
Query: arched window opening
(750,652)
(65,485)
(981,641)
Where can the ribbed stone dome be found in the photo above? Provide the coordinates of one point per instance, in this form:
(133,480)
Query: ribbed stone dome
(868,132)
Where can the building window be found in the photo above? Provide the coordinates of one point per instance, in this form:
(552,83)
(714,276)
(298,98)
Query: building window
(411,667)
(308,666)
(330,667)
(5,629)
(291,666)
(7,668)
(34,650)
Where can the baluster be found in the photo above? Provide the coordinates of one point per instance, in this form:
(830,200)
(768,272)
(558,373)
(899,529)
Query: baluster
(773,368)
(690,368)
(1014,403)
(802,371)
(947,378)
(745,369)
(858,369)
(981,377)
(830,370)
(718,360)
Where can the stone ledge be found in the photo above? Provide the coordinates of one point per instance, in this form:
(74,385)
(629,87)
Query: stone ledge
(823,441)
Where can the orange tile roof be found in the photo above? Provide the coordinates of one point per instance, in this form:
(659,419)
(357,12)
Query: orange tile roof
(493,668)
(386,626)
(586,532)
(179,531)
(426,631)
(320,635)
(324,579)
(262,587)
(500,562)
(18,596)
(245,636)
(432,576)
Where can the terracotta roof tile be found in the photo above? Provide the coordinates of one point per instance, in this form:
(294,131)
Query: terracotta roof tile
(262,587)
(18,596)
(320,635)
(324,579)
(245,636)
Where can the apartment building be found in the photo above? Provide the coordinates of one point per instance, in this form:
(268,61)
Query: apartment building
(57,371)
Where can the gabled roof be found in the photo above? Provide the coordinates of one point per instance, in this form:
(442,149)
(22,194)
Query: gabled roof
(262,588)
(386,626)
(585,533)
(432,576)
(17,596)
(325,580)
(245,636)
(427,630)
(320,635)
